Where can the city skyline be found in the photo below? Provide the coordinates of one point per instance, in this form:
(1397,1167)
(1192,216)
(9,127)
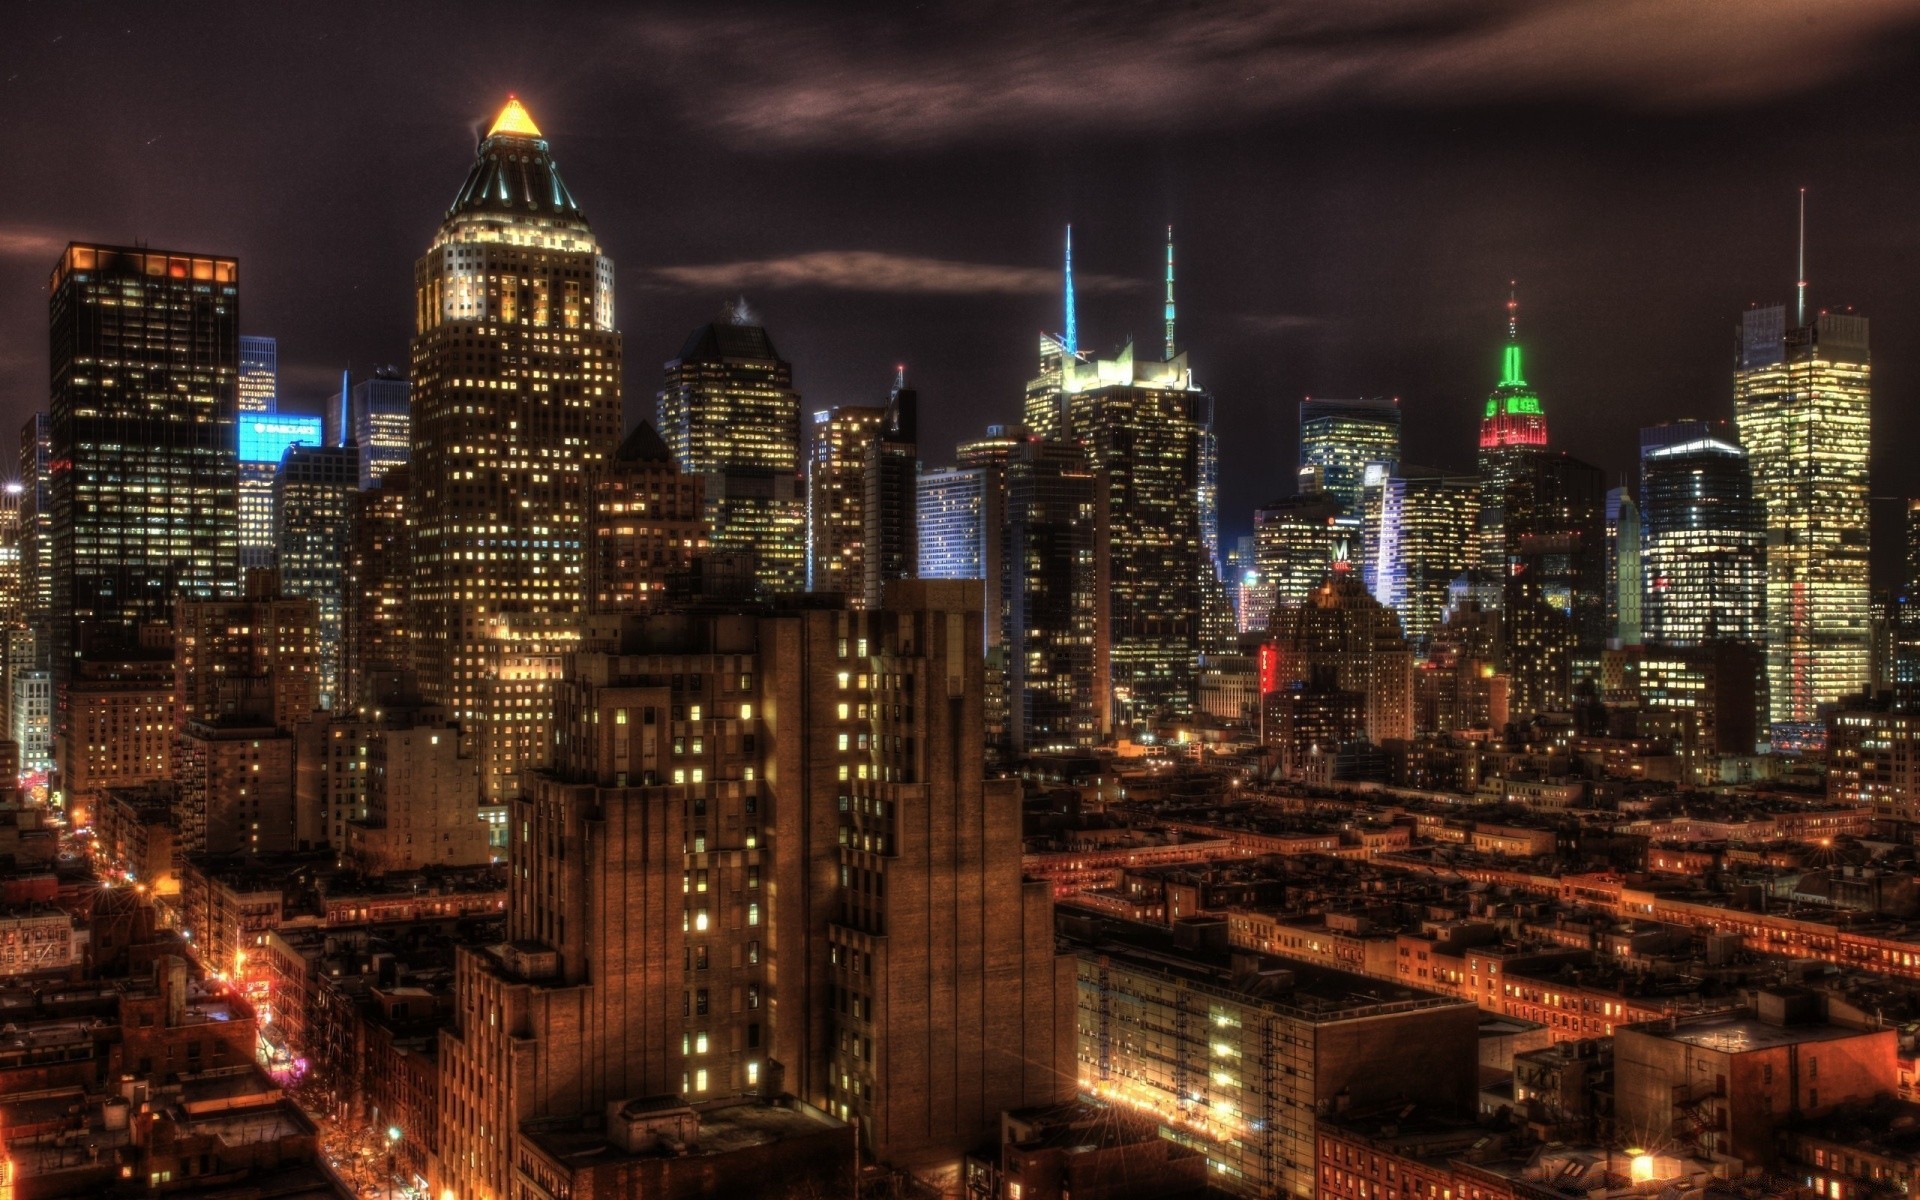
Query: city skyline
(1363,248)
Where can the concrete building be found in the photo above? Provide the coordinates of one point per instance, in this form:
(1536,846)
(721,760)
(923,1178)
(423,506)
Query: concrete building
(119,729)
(259,656)
(422,778)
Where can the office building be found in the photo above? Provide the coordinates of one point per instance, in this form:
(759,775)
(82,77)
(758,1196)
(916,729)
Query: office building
(30,719)
(1717,686)
(660,807)
(645,525)
(1426,541)
(1555,606)
(119,730)
(1802,398)
(1513,434)
(1340,438)
(377,631)
(1237,1056)
(265,439)
(1625,570)
(255,659)
(259,380)
(375,416)
(1342,639)
(1704,537)
(729,413)
(1143,425)
(1044,411)
(144,509)
(956,514)
(313,534)
(836,498)
(888,494)
(1294,539)
(422,777)
(36,529)
(1049,608)
(236,787)
(1459,686)
(516,401)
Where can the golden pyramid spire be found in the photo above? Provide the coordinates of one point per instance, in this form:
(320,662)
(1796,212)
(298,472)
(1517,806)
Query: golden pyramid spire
(514,121)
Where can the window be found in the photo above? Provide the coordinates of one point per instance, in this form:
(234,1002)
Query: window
(753,913)
(700,1080)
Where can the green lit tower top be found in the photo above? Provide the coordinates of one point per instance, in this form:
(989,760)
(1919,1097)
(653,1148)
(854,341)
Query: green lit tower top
(1513,416)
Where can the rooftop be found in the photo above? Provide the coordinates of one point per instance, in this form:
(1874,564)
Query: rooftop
(1741,1032)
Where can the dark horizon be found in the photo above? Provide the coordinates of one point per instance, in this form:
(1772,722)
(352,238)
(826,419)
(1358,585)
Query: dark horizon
(1351,194)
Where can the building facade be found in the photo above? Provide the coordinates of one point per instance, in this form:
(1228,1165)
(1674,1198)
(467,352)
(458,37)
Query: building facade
(1705,537)
(313,536)
(1339,439)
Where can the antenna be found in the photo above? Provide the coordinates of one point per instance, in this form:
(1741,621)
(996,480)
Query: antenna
(1513,310)
(899,377)
(1169,293)
(346,406)
(1801,319)
(1070,340)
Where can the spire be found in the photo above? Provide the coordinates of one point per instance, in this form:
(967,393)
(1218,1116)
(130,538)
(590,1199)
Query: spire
(1070,339)
(1510,375)
(899,378)
(346,406)
(1801,318)
(514,120)
(1169,293)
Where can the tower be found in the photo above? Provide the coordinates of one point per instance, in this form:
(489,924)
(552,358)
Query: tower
(1703,535)
(312,534)
(1554,595)
(1339,439)
(887,470)
(516,399)
(1513,433)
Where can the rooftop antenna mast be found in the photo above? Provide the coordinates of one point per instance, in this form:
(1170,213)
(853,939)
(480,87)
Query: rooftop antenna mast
(1801,319)
(1169,293)
(1070,339)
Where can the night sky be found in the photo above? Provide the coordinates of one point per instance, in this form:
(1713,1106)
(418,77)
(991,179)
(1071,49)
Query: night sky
(1352,185)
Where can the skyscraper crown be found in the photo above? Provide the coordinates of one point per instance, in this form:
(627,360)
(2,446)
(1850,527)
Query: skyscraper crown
(514,176)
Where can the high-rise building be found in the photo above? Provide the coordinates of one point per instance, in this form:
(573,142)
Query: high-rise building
(259,383)
(375,416)
(1342,639)
(728,412)
(1801,400)
(1426,541)
(1555,604)
(36,530)
(1045,409)
(954,517)
(645,525)
(888,471)
(516,401)
(255,660)
(1293,548)
(236,787)
(1047,551)
(836,498)
(1339,438)
(377,653)
(30,719)
(119,726)
(705,773)
(1513,434)
(1624,568)
(145,358)
(1704,537)
(13,584)
(265,439)
(1458,686)
(1143,425)
(313,534)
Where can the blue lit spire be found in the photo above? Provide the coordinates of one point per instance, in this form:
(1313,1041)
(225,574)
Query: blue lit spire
(1169,293)
(1071,338)
(346,408)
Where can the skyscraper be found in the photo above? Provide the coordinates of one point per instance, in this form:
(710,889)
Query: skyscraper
(728,412)
(145,358)
(377,638)
(1426,541)
(954,520)
(1143,425)
(259,384)
(516,400)
(1338,438)
(888,470)
(1704,537)
(1513,434)
(1801,402)
(1293,544)
(836,498)
(312,535)
(265,438)
(1044,411)
(376,416)
(1555,604)
(644,525)
(1624,568)
(1341,639)
(36,530)
(1047,566)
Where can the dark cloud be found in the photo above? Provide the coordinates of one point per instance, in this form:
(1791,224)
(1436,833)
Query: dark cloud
(875,271)
(918,75)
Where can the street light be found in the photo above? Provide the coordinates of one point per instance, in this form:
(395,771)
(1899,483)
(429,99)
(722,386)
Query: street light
(393,1144)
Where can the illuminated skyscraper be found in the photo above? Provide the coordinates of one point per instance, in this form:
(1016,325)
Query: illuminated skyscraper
(1049,603)
(1293,544)
(887,488)
(1704,537)
(36,529)
(1045,409)
(1426,541)
(265,438)
(1555,604)
(836,498)
(1144,427)
(1624,568)
(1341,639)
(145,357)
(259,374)
(1340,437)
(1513,435)
(377,641)
(645,525)
(953,504)
(728,412)
(1801,402)
(312,533)
(516,401)
(377,417)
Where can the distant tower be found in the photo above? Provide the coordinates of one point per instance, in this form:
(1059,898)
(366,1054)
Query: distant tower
(1340,438)
(516,400)
(312,508)
(1703,535)
(1513,433)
